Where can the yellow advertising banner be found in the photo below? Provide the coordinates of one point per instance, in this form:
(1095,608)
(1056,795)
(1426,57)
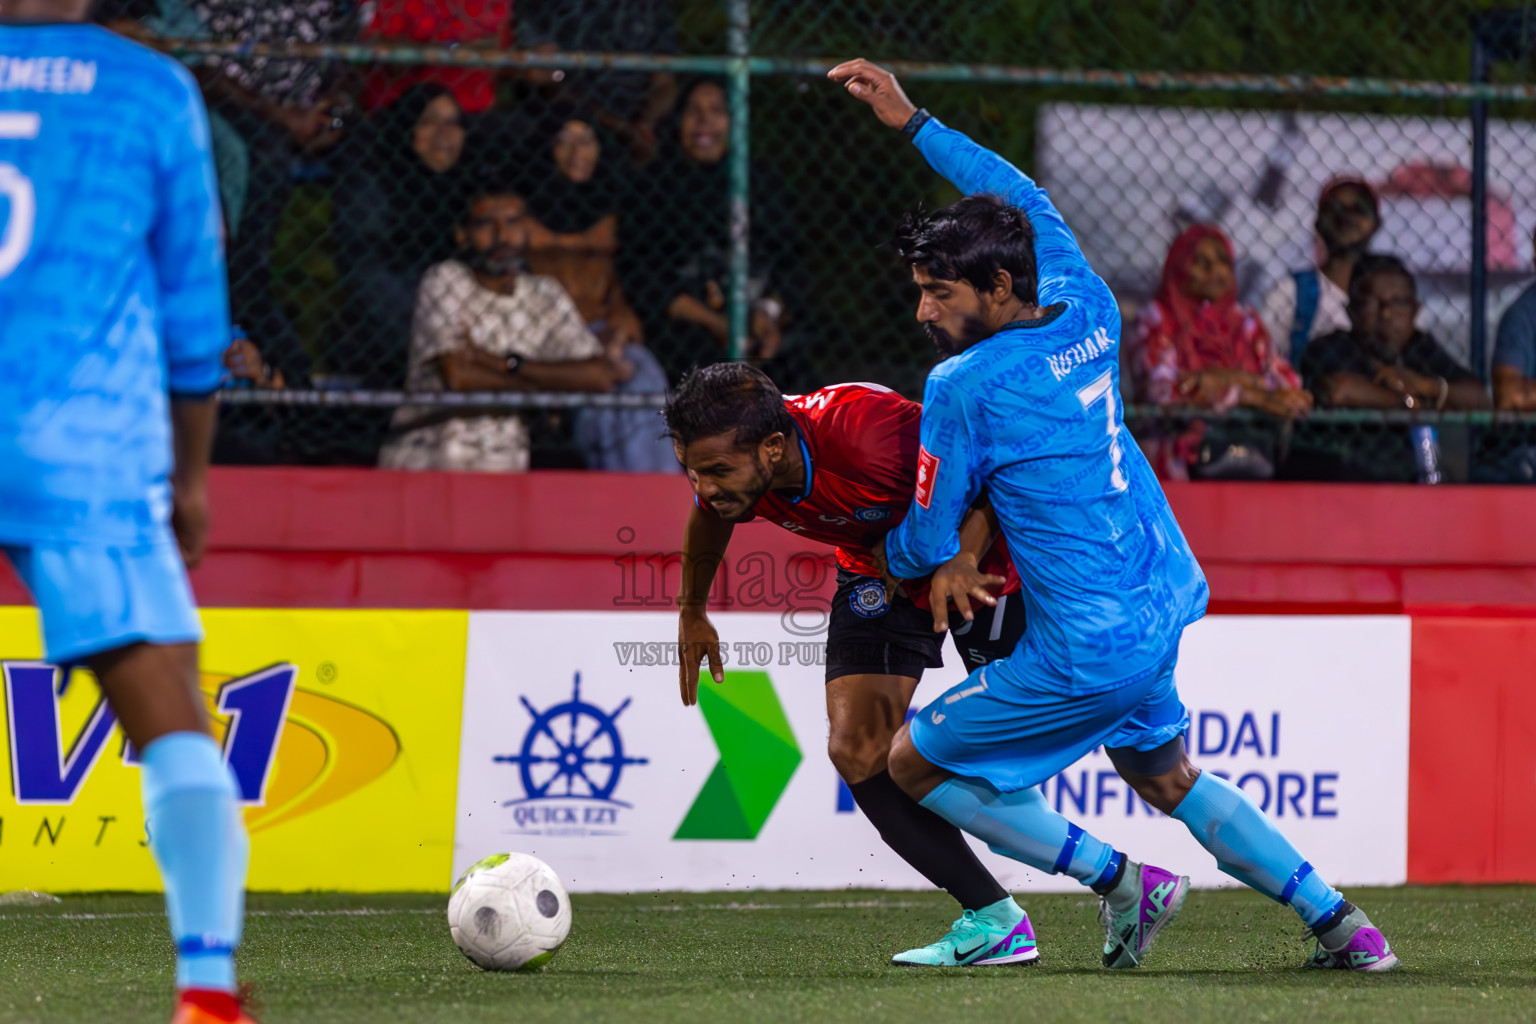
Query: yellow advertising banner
(340,727)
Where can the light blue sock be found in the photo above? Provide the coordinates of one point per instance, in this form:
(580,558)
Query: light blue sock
(200,844)
(1249,847)
(1022,826)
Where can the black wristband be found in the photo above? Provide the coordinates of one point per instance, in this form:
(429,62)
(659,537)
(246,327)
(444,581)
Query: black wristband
(514,363)
(915,123)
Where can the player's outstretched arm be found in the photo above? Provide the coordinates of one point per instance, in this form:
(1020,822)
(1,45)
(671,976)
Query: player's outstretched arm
(970,167)
(704,542)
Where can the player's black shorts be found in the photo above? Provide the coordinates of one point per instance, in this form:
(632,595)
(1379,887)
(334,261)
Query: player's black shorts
(868,636)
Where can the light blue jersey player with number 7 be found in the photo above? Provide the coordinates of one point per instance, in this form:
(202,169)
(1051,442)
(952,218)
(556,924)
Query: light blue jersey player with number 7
(1025,405)
(113,318)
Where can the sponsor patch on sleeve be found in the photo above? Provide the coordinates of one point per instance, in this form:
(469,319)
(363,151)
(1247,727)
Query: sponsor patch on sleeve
(927,469)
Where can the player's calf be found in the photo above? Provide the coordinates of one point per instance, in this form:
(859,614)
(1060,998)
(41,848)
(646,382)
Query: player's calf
(1249,846)
(190,805)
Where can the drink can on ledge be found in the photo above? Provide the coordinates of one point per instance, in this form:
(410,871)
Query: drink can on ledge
(1426,453)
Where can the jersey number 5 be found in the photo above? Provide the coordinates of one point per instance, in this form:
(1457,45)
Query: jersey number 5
(16,190)
(1103,387)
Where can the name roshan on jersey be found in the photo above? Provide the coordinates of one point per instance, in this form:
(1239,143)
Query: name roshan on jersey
(860,445)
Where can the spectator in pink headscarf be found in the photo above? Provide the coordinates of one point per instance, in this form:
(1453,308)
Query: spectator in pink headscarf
(1196,345)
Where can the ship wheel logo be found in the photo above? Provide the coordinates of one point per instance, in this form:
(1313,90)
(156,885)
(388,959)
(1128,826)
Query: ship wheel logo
(572,751)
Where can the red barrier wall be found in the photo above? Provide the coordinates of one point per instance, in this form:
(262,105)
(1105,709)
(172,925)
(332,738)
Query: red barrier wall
(1472,751)
(1461,560)
(345,537)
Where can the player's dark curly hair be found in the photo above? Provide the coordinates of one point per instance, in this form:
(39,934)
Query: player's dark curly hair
(727,398)
(971,240)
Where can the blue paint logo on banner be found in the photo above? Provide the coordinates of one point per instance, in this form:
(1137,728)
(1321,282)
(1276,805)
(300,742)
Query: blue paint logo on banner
(45,771)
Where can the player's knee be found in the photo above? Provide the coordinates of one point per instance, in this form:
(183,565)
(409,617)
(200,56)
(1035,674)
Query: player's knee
(857,756)
(910,770)
(1167,790)
(1161,776)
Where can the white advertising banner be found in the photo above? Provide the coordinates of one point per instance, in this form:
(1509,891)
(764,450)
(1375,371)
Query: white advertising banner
(576,748)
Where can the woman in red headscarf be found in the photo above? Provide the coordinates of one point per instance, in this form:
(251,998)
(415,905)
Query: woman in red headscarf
(1196,345)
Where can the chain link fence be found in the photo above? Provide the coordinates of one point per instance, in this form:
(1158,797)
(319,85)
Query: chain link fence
(1225,168)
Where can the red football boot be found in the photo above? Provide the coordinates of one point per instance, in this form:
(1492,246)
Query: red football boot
(207,1006)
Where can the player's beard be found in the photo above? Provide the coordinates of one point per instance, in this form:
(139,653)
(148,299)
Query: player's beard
(972,330)
(744,501)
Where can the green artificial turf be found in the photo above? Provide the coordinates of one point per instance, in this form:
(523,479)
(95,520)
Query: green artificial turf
(733,959)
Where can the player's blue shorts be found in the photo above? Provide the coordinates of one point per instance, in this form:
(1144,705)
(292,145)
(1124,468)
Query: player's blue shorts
(1010,726)
(98,597)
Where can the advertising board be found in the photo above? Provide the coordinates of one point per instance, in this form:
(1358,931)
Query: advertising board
(577,748)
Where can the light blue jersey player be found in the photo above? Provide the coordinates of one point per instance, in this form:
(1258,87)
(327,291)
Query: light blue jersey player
(113,318)
(1026,406)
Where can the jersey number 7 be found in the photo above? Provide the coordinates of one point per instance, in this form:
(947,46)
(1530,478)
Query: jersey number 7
(1103,387)
(16,190)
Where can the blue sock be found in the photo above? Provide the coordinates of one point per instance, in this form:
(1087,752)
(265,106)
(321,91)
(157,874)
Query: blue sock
(1022,825)
(199,842)
(1249,847)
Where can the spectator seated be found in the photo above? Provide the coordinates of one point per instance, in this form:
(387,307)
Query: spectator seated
(575,206)
(1196,345)
(1381,362)
(483,324)
(1312,302)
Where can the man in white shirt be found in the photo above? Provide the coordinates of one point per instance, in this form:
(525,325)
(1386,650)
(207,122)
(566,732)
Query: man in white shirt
(1310,303)
(482,323)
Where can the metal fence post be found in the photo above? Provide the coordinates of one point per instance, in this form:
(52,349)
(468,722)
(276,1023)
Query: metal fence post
(741,170)
(1478,285)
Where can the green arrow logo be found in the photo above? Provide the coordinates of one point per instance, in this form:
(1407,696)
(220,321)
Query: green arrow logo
(758,756)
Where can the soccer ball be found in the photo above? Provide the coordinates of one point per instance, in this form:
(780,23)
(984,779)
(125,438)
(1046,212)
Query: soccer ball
(509,912)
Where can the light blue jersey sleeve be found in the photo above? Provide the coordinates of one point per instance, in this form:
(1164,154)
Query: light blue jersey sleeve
(187,245)
(949,474)
(976,170)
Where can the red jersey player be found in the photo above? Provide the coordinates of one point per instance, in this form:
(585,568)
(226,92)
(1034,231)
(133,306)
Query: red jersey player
(840,466)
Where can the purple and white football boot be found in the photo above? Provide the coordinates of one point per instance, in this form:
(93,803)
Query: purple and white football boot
(1353,944)
(1128,933)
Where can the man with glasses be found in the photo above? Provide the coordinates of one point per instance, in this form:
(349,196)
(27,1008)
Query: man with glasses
(1381,362)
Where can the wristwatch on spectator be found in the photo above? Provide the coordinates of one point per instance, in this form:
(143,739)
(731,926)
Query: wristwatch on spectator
(514,363)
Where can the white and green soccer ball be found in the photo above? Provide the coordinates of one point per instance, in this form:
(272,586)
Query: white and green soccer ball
(509,912)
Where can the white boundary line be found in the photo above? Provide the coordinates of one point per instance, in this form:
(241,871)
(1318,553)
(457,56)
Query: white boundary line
(404,911)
